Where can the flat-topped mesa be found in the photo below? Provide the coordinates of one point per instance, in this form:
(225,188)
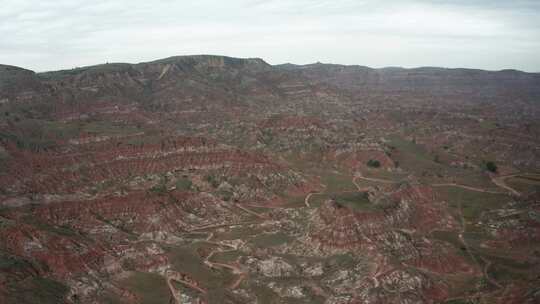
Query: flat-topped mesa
(100,74)
(211,61)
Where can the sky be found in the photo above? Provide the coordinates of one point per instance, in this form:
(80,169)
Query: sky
(46,35)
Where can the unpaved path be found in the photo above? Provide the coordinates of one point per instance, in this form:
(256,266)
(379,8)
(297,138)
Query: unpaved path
(234,269)
(378,180)
(204,227)
(250,211)
(500,181)
(180,278)
(306,200)
(467,188)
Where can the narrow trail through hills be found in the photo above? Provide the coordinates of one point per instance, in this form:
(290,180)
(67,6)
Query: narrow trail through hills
(498,181)
(467,188)
(172,275)
(178,277)
(501,180)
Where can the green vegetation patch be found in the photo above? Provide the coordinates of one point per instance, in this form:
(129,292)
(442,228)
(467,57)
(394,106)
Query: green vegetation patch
(472,202)
(490,166)
(183,184)
(226,256)
(525,183)
(412,156)
(187,259)
(373,163)
(271,239)
(152,288)
(353,200)
(36,290)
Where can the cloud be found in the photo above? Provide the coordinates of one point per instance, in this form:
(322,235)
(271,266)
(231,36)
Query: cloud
(46,35)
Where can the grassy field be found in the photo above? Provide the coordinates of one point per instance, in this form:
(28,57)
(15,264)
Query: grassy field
(411,156)
(333,178)
(36,290)
(152,288)
(417,159)
(524,183)
(472,202)
(270,239)
(225,257)
(384,174)
(185,259)
(353,200)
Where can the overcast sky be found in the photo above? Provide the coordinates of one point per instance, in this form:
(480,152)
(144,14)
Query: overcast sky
(59,34)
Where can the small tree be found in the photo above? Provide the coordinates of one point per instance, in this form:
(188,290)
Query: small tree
(373,163)
(491,166)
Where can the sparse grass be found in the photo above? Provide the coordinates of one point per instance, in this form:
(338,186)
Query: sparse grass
(411,156)
(316,199)
(152,288)
(336,181)
(449,237)
(462,284)
(270,239)
(108,128)
(36,290)
(383,174)
(340,261)
(264,294)
(353,200)
(225,257)
(183,184)
(237,232)
(10,263)
(525,183)
(311,164)
(186,259)
(472,202)
(488,125)
(503,273)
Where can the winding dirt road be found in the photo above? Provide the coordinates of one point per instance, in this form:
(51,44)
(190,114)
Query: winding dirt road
(377,180)
(171,276)
(467,188)
(500,181)
(234,269)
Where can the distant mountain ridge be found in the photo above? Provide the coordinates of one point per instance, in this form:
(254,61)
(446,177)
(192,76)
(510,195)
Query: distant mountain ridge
(211,80)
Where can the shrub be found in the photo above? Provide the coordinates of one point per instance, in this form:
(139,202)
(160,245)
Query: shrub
(491,166)
(212,180)
(373,163)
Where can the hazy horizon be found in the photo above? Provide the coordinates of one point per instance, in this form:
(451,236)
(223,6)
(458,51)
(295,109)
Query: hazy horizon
(477,34)
(282,63)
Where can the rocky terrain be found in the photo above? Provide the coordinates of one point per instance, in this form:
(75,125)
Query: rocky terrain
(210,179)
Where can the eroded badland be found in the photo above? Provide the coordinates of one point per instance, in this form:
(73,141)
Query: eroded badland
(209,179)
